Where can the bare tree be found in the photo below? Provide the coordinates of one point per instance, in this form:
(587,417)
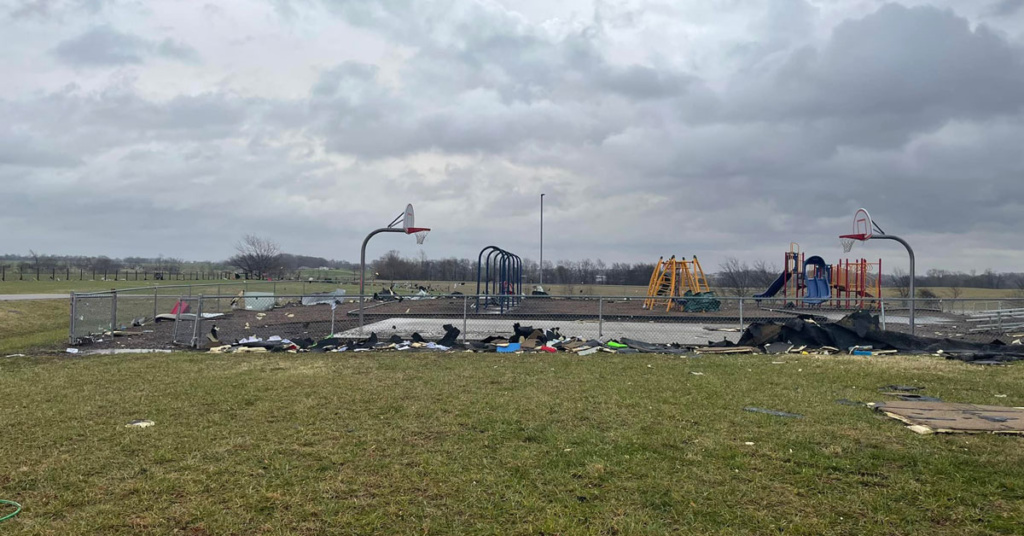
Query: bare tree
(763,273)
(735,276)
(901,282)
(256,256)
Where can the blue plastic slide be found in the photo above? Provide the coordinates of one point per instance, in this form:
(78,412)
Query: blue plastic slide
(775,286)
(818,288)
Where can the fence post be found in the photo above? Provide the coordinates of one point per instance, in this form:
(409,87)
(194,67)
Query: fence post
(465,313)
(600,316)
(113,311)
(195,325)
(882,316)
(741,314)
(156,297)
(71,326)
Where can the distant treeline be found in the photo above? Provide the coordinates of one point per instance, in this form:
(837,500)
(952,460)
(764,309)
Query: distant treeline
(731,273)
(564,272)
(47,267)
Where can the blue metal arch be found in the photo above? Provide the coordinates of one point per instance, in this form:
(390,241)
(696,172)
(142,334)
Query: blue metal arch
(507,277)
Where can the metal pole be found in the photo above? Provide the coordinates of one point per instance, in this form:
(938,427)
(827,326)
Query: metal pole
(741,313)
(71,334)
(156,296)
(362,267)
(113,312)
(882,302)
(465,313)
(196,325)
(910,251)
(541,240)
(600,317)
(334,305)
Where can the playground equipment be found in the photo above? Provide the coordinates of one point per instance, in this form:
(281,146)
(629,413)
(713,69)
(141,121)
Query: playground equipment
(507,278)
(849,284)
(408,219)
(680,284)
(864,229)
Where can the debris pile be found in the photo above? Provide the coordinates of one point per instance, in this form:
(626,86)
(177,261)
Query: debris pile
(859,333)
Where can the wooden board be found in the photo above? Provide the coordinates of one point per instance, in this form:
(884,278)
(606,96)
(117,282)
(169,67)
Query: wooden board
(947,417)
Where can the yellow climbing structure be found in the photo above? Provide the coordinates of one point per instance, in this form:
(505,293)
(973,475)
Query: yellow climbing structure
(671,279)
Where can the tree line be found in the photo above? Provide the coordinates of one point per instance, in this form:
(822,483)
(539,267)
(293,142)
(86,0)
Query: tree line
(257,257)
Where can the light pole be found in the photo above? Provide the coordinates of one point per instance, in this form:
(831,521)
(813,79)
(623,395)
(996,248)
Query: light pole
(542,240)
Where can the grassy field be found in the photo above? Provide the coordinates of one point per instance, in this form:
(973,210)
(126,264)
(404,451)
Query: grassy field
(33,325)
(481,444)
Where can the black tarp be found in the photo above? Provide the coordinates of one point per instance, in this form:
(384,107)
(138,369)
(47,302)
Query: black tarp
(861,328)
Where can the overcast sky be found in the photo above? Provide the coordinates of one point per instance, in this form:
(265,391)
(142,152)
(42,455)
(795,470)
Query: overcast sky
(709,127)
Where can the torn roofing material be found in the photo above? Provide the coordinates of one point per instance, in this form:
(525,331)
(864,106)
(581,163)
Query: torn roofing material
(861,328)
(947,417)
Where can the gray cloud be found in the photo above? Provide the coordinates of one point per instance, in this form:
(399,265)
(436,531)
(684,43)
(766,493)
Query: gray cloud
(104,46)
(1005,8)
(714,129)
(47,9)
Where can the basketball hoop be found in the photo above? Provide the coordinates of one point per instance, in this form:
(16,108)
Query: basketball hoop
(847,244)
(419,232)
(848,240)
(863,229)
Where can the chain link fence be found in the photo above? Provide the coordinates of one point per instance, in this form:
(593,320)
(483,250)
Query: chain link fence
(187,316)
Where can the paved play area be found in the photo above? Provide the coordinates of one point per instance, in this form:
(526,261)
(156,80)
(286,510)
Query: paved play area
(475,328)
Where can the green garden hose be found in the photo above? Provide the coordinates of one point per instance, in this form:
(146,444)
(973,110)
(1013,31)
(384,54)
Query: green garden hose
(17,508)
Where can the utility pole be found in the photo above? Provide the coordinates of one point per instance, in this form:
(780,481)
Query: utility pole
(541,240)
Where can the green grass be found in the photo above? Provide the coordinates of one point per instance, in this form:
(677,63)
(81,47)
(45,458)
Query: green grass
(482,444)
(33,325)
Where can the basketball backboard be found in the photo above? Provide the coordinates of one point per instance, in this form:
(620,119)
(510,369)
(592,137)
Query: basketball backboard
(409,220)
(863,229)
(862,224)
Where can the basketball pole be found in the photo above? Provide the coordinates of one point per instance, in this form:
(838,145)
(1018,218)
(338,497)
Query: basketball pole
(362,266)
(910,251)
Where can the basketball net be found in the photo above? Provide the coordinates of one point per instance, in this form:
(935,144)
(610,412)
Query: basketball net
(421,236)
(847,244)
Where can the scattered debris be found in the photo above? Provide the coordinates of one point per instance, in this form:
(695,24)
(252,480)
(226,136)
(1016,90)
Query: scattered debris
(777,348)
(904,388)
(72,350)
(948,417)
(726,350)
(119,351)
(140,423)
(324,298)
(15,355)
(860,332)
(185,316)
